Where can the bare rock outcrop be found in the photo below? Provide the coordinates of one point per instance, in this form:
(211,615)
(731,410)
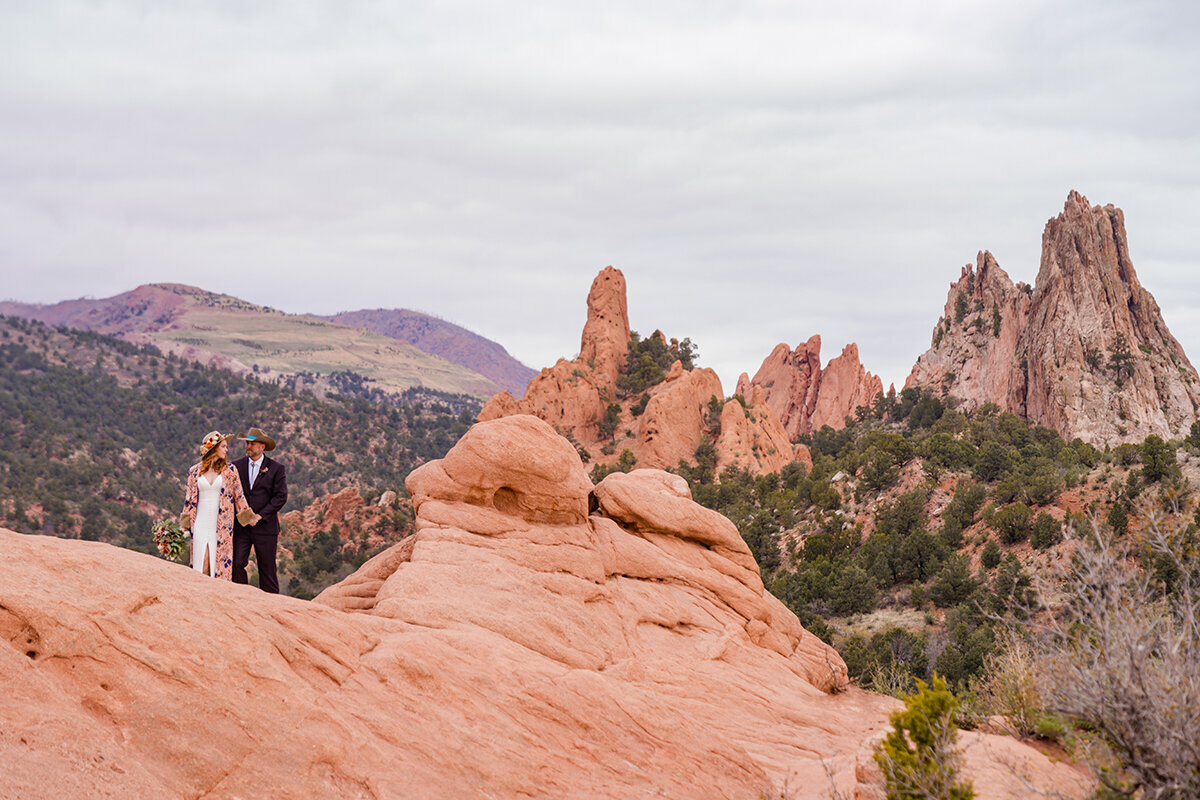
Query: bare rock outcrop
(1085,352)
(574,395)
(976,350)
(675,419)
(660,426)
(606,334)
(845,385)
(753,438)
(804,395)
(515,646)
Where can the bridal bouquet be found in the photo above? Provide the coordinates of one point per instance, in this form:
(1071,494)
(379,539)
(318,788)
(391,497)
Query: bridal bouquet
(171,540)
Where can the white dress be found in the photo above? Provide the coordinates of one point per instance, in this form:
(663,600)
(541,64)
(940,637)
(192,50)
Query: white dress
(204,530)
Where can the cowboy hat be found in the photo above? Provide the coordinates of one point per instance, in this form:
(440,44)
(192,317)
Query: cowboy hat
(259,435)
(212,439)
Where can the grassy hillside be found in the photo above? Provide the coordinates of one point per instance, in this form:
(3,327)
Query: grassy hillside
(200,325)
(445,339)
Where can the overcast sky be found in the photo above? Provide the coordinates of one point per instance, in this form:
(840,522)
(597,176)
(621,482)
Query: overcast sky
(760,171)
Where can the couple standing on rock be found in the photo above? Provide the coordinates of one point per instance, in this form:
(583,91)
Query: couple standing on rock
(231,507)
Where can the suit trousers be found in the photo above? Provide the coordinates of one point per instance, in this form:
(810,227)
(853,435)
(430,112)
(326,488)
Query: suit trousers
(264,545)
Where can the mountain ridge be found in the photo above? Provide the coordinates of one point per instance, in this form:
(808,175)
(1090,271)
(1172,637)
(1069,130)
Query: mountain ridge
(225,331)
(446,339)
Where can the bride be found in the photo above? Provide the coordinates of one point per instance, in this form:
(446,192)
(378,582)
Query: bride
(214,496)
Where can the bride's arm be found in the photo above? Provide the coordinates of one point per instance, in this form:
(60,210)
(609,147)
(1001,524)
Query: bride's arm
(191,499)
(239,497)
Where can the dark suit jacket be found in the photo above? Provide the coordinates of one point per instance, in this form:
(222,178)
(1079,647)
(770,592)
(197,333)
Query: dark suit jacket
(266,496)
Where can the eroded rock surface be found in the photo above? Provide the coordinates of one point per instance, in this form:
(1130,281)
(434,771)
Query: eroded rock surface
(805,396)
(534,638)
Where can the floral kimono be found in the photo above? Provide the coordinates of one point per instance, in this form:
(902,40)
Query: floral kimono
(232,500)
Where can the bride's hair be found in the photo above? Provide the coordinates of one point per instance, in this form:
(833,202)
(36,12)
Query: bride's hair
(212,461)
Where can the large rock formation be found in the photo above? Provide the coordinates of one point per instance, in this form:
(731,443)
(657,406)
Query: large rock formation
(977,345)
(807,397)
(753,438)
(1086,352)
(606,333)
(514,647)
(660,431)
(573,395)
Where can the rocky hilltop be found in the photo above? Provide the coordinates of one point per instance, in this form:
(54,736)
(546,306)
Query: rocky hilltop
(441,338)
(661,425)
(806,397)
(1085,351)
(536,637)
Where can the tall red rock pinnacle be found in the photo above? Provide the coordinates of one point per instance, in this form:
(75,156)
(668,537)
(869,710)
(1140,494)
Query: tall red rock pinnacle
(667,427)
(845,386)
(805,396)
(605,339)
(1086,352)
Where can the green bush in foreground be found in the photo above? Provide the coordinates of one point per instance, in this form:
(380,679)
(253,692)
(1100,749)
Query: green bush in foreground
(917,758)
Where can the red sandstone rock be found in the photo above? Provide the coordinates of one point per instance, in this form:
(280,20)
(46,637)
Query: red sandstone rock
(514,647)
(675,418)
(806,397)
(845,386)
(499,405)
(753,438)
(1045,353)
(574,397)
(605,340)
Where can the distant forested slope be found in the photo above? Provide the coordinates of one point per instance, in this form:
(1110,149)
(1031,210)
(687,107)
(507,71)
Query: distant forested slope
(96,434)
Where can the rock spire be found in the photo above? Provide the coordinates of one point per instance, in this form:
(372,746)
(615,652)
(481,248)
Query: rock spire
(660,426)
(1085,351)
(804,395)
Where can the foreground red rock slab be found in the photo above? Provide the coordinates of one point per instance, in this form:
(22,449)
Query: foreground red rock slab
(535,638)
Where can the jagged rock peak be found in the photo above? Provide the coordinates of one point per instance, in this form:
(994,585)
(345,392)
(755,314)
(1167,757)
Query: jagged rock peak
(804,395)
(1085,352)
(974,348)
(659,425)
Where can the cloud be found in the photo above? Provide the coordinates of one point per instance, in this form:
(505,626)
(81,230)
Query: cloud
(760,171)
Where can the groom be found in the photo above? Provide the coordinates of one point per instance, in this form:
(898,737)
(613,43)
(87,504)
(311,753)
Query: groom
(264,482)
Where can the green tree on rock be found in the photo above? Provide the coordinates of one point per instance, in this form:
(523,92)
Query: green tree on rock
(607,427)
(1120,358)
